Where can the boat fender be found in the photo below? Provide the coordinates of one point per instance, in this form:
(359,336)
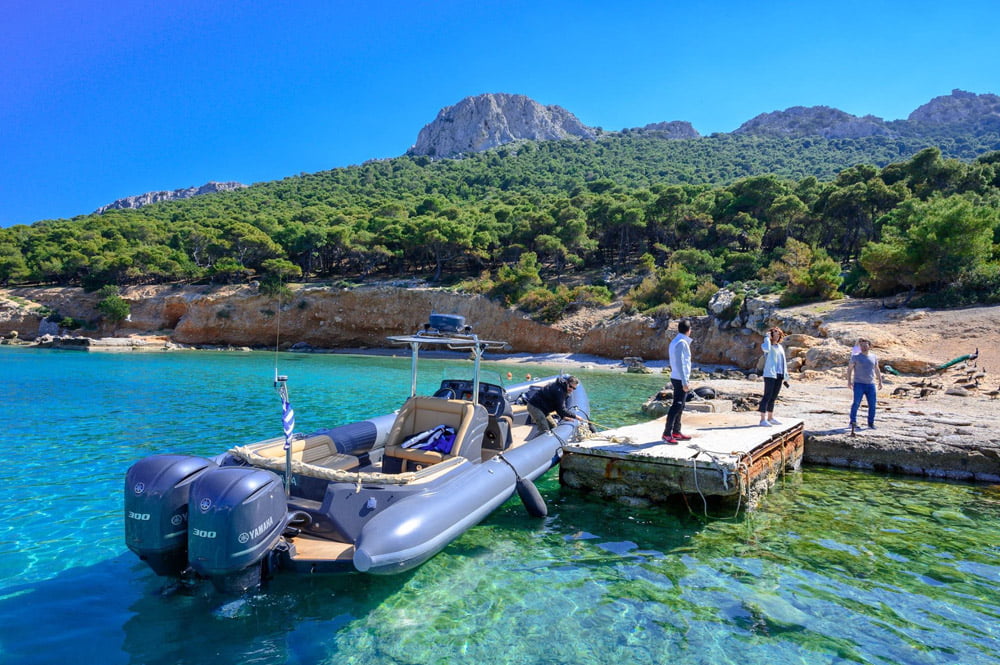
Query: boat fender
(531,498)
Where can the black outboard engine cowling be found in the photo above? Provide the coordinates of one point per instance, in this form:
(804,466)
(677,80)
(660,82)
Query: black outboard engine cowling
(236,518)
(156,509)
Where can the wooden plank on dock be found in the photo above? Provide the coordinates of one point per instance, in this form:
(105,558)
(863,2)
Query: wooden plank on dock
(729,456)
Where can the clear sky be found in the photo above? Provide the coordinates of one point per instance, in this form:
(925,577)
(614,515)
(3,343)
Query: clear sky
(101,99)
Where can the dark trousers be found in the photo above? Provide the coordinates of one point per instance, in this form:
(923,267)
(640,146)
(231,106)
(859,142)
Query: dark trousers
(676,408)
(771,389)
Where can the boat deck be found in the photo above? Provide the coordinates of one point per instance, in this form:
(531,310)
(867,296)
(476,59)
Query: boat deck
(309,553)
(317,555)
(728,456)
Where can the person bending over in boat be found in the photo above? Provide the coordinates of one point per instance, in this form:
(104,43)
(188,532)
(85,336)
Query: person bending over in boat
(551,398)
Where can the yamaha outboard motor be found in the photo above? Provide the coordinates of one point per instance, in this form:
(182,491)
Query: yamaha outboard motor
(156,509)
(236,518)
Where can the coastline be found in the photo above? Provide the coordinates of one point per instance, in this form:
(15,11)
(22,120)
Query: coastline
(945,433)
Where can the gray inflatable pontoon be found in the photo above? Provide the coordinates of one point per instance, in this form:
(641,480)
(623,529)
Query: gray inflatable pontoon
(377,496)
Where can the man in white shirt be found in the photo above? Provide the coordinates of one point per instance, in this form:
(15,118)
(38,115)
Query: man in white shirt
(680,377)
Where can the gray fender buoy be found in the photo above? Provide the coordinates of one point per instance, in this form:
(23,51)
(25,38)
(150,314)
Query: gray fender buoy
(531,498)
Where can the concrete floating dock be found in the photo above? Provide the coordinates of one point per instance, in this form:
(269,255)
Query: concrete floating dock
(729,456)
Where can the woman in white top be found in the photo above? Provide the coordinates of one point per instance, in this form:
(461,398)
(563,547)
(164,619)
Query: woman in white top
(775,372)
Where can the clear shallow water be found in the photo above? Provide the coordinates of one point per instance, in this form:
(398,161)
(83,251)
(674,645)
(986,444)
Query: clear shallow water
(836,567)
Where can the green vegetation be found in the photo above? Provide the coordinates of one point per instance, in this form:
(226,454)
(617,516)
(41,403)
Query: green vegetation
(531,223)
(112,305)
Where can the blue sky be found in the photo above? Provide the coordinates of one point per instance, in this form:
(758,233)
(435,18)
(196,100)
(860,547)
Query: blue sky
(101,99)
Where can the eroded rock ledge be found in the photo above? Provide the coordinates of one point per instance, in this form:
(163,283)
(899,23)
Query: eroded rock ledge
(326,317)
(936,435)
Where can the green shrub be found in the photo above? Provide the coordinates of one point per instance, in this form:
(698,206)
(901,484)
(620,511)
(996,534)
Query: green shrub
(703,293)
(112,306)
(734,308)
(663,314)
(592,296)
(513,282)
(667,285)
(544,305)
(980,286)
(681,310)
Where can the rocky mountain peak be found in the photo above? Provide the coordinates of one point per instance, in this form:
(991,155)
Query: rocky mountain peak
(486,121)
(675,129)
(959,107)
(156,197)
(824,121)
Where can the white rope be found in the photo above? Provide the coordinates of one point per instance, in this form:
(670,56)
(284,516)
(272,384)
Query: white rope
(694,466)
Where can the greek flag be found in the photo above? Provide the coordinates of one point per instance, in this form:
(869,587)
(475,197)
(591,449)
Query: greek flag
(287,422)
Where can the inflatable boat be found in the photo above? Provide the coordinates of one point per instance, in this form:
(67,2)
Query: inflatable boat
(378,496)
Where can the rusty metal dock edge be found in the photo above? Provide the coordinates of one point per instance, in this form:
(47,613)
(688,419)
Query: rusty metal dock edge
(741,477)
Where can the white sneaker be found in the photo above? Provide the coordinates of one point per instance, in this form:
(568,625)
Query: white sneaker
(774,421)
(764,423)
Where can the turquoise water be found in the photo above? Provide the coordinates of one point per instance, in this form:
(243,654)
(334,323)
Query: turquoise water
(835,567)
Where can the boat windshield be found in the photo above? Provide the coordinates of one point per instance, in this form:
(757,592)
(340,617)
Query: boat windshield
(451,342)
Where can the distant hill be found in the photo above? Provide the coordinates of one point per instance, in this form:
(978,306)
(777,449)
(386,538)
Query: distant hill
(794,143)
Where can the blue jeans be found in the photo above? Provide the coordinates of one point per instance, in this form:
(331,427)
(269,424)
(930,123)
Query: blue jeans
(866,390)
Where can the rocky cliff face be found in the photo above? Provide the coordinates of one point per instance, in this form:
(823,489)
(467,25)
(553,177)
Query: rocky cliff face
(325,317)
(959,111)
(676,129)
(824,121)
(959,108)
(157,197)
(487,121)
(330,318)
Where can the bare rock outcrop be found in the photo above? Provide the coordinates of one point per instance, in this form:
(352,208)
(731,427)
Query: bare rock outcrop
(156,197)
(486,121)
(822,121)
(958,108)
(675,129)
(819,341)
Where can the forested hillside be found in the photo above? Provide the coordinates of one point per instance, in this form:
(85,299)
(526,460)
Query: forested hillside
(547,224)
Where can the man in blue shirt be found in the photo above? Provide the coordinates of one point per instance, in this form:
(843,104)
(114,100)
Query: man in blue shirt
(680,377)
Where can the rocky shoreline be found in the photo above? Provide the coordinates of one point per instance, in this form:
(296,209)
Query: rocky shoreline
(921,432)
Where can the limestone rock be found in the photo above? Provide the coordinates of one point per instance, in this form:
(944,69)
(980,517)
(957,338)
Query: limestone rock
(156,197)
(827,355)
(958,108)
(486,121)
(721,301)
(676,129)
(635,365)
(822,121)
(758,311)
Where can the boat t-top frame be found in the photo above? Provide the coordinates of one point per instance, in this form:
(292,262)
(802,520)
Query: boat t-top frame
(460,339)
